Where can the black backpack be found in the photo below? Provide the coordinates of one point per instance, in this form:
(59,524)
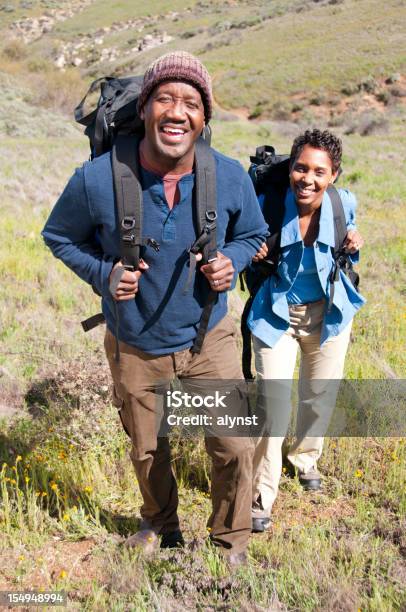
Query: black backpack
(115,125)
(270,175)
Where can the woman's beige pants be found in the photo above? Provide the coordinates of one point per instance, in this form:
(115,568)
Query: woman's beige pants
(316,399)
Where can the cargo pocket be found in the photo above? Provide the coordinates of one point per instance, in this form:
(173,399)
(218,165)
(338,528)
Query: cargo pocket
(231,325)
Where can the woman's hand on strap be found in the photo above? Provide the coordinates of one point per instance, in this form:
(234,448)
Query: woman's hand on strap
(262,253)
(353,242)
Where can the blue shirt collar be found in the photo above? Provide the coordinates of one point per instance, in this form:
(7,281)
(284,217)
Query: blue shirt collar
(290,233)
(154,183)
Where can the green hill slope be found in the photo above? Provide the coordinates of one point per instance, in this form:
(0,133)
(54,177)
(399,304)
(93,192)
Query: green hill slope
(267,57)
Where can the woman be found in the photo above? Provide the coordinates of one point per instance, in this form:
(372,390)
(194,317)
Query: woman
(291,310)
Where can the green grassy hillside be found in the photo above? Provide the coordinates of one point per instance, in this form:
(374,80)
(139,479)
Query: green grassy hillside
(283,55)
(68,495)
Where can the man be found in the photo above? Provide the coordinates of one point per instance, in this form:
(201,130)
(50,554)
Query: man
(155,320)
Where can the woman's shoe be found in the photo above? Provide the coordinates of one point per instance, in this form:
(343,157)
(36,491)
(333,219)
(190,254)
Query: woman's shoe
(311,481)
(259,525)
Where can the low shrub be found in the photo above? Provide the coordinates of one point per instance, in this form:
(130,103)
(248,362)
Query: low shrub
(257,112)
(383,96)
(350,89)
(354,177)
(369,84)
(15,50)
(398,91)
(57,90)
(393,78)
(188,34)
(367,123)
(281,111)
(336,120)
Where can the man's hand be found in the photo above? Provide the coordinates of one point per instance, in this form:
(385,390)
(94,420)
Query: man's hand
(219,273)
(123,283)
(353,242)
(262,253)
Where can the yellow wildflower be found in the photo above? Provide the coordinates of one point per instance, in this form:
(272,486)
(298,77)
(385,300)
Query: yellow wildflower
(88,489)
(18,458)
(63,574)
(66,517)
(21,558)
(358,473)
(13,481)
(44,494)
(27,479)
(54,486)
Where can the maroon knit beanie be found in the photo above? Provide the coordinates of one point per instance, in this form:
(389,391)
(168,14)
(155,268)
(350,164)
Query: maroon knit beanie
(182,66)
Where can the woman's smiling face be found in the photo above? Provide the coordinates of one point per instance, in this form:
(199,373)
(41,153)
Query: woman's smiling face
(310,175)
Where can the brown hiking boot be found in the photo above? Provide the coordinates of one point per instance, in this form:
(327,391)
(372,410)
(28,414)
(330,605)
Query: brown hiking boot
(173,539)
(145,539)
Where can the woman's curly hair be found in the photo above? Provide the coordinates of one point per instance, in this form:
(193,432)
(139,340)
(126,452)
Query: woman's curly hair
(319,140)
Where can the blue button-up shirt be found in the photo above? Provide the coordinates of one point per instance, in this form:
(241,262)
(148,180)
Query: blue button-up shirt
(269,315)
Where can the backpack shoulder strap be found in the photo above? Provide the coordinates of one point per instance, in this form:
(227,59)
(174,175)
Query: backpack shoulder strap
(342,260)
(205,211)
(206,198)
(128,192)
(340,223)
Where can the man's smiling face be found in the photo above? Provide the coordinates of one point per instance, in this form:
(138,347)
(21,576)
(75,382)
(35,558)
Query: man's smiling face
(174,119)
